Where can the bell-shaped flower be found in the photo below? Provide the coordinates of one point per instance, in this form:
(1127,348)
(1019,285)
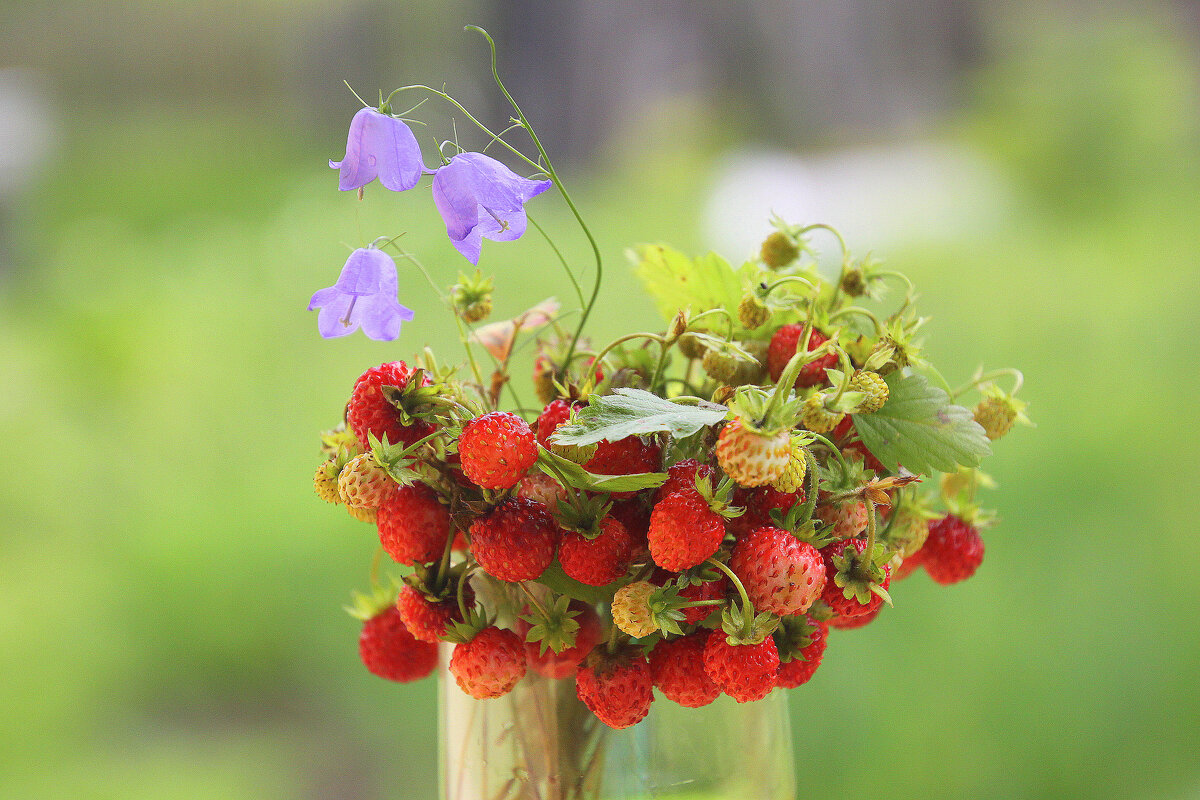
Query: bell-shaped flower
(379,146)
(364,296)
(480,198)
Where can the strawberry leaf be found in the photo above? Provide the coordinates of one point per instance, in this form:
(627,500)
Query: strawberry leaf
(571,474)
(635,412)
(921,429)
(677,282)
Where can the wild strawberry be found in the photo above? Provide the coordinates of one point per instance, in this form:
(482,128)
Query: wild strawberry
(490,664)
(542,488)
(362,483)
(752,458)
(802,652)
(792,478)
(843,519)
(413,525)
(857,574)
(368,515)
(635,516)
(816,417)
(369,412)
(496,449)
(554,414)
(599,560)
(996,415)
(759,503)
(780,573)
(752,311)
(745,672)
(778,250)
(325,482)
(708,590)
(849,623)
(545,661)
(873,386)
(953,551)
(783,347)
(617,688)
(390,651)
(684,531)
(631,610)
(515,541)
(427,619)
(677,669)
(909,565)
(682,475)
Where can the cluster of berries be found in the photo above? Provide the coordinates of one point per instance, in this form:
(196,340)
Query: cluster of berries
(691,515)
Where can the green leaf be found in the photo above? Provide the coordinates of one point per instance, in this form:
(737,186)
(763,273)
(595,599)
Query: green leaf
(559,582)
(676,281)
(921,429)
(576,476)
(634,412)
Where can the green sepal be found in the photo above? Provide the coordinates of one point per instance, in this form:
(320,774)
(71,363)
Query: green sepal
(394,458)
(570,473)
(793,635)
(367,606)
(733,622)
(556,629)
(635,412)
(334,441)
(859,575)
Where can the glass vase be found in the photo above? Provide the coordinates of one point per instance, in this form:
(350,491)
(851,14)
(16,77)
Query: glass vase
(540,742)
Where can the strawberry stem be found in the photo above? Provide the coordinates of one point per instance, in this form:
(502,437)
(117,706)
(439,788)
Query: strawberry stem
(747,606)
(984,377)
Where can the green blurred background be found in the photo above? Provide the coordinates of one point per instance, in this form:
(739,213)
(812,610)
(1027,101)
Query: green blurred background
(170,587)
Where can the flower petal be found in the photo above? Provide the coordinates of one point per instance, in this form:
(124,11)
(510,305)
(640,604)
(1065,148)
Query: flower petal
(381,317)
(454,195)
(358,165)
(380,146)
(335,317)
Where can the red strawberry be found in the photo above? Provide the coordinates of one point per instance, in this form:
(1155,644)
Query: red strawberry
(497,449)
(780,573)
(783,347)
(677,667)
(390,651)
(834,596)
(953,551)
(539,486)
(617,688)
(709,590)
(682,477)
(684,531)
(553,415)
(849,623)
(804,663)
(560,665)
(427,619)
(600,560)
(745,672)
(515,541)
(490,664)
(635,516)
(370,412)
(759,503)
(413,525)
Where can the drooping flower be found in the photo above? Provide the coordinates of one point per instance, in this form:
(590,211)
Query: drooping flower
(379,146)
(480,198)
(364,296)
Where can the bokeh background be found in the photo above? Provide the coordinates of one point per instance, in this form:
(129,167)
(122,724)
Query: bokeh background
(170,587)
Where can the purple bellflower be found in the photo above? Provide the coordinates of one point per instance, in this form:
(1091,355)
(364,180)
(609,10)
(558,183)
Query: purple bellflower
(364,295)
(480,198)
(379,146)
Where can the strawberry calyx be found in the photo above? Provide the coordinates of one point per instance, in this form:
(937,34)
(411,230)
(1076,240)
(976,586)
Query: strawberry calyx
(553,625)
(793,635)
(365,606)
(861,574)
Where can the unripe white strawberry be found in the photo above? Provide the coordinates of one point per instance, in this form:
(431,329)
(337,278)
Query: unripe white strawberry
(362,483)
(751,458)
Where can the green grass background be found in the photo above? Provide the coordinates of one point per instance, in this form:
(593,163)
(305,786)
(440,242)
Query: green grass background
(171,589)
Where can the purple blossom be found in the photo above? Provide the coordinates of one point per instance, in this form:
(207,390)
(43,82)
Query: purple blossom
(478,197)
(379,146)
(364,295)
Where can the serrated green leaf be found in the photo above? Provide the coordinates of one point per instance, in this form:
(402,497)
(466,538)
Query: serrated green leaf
(635,412)
(921,429)
(577,477)
(676,281)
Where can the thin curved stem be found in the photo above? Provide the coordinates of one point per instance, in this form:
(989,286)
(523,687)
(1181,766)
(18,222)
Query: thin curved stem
(561,259)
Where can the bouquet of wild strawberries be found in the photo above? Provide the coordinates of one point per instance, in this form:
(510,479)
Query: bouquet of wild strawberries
(691,509)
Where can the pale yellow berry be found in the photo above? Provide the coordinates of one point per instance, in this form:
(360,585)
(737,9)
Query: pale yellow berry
(873,386)
(816,417)
(326,484)
(631,609)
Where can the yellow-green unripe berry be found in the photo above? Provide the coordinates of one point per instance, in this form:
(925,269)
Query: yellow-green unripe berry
(752,311)
(691,346)
(326,483)
(779,250)
(996,415)
(631,609)
(816,417)
(793,474)
(873,386)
